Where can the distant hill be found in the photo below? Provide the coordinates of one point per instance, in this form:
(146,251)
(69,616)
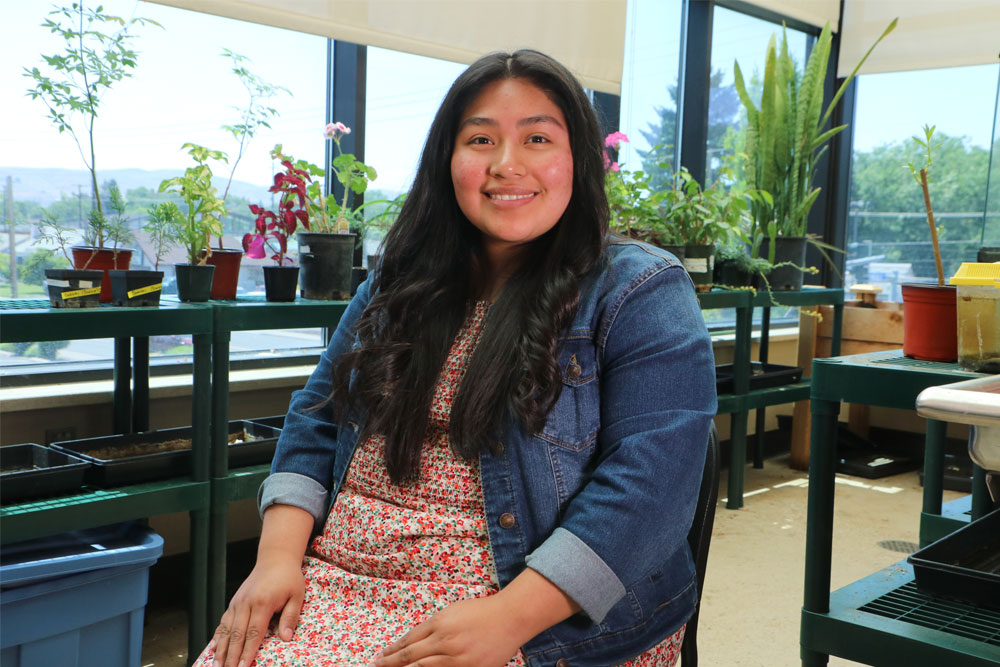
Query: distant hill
(47,185)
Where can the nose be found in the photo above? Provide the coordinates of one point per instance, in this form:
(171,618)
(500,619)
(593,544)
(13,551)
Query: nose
(507,162)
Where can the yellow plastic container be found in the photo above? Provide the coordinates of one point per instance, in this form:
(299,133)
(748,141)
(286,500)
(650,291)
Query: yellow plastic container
(978,316)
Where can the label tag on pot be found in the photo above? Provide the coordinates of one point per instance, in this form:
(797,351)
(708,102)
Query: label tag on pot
(57,283)
(696,264)
(148,289)
(77,293)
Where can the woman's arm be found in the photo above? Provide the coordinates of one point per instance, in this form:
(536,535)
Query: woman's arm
(275,585)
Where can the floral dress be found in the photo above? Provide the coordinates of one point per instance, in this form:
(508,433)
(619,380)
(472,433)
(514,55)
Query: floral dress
(391,556)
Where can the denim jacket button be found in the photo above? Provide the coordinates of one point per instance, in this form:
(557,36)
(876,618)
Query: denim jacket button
(507,520)
(562,662)
(574,370)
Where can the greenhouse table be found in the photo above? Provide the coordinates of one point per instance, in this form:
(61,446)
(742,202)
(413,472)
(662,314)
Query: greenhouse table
(32,320)
(739,403)
(842,624)
(243,314)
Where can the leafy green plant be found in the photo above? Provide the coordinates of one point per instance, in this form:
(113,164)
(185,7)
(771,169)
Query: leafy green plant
(163,224)
(96,55)
(922,176)
(205,209)
(634,205)
(703,217)
(255,115)
(784,139)
(354,175)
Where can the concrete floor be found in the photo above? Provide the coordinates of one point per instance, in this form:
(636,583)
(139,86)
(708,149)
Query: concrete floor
(753,588)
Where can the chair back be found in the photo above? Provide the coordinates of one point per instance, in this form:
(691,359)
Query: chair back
(699,538)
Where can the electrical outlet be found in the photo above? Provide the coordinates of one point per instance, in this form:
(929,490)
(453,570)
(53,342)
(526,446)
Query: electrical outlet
(60,434)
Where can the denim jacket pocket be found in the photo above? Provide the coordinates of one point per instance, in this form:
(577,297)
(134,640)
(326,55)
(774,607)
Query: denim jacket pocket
(575,418)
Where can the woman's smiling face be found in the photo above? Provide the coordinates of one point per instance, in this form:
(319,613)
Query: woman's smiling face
(512,166)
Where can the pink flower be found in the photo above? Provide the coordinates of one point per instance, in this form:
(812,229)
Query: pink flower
(254,246)
(607,161)
(614,139)
(614,166)
(335,130)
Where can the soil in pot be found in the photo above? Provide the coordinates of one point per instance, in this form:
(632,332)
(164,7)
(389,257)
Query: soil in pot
(102,259)
(194,281)
(73,288)
(137,288)
(787,249)
(930,322)
(280,283)
(327,262)
(227,272)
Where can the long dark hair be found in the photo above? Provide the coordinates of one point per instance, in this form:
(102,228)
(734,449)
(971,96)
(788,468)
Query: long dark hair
(432,270)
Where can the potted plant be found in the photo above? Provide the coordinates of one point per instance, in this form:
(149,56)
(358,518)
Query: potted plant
(142,287)
(68,288)
(255,115)
(273,229)
(635,207)
(930,319)
(96,55)
(784,140)
(202,220)
(326,251)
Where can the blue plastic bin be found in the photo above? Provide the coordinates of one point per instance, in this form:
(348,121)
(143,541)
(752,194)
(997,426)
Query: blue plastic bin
(78,599)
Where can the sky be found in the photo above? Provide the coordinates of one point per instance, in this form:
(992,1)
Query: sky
(183,91)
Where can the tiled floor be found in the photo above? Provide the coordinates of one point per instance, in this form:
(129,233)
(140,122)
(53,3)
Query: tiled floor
(753,589)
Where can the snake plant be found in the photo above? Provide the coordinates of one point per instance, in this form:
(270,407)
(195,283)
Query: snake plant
(785,139)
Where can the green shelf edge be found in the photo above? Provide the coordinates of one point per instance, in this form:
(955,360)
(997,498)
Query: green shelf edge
(47,324)
(878,640)
(101,507)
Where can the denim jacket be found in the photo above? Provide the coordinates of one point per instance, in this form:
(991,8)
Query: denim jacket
(601,500)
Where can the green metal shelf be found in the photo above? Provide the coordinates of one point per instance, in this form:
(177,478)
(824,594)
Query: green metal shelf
(241,484)
(99,507)
(884,619)
(253,314)
(32,320)
(953,516)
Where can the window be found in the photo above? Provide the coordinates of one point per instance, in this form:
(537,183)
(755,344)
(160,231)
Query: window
(183,90)
(888,240)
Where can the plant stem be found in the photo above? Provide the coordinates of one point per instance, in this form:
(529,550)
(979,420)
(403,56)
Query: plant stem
(930,221)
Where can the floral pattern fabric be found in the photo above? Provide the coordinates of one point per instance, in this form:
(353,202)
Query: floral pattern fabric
(391,556)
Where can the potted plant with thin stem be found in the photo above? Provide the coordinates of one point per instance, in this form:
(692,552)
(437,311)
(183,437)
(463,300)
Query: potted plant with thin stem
(326,251)
(67,288)
(142,287)
(930,318)
(201,221)
(272,230)
(96,55)
(252,117)
(784,140)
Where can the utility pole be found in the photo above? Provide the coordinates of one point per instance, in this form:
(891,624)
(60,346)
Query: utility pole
(12,241)
(79,204)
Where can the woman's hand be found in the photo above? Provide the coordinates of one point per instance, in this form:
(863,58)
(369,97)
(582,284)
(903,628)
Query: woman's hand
(274,585)
(483,632)
(480,632)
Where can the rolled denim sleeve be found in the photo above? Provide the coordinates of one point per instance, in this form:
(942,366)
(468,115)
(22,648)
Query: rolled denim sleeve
(302,468)
(658,400)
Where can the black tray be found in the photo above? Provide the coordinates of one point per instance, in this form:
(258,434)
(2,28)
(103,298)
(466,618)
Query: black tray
(38,472)
(106,472)
(964,565)
(761,376)
(277,421)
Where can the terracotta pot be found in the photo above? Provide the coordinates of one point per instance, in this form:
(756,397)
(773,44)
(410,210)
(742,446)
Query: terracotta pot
(227,272)
(930,322)
(101,259)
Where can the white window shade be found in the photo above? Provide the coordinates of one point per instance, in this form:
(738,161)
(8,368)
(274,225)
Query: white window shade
(813,12)
(585,35)
(930,34)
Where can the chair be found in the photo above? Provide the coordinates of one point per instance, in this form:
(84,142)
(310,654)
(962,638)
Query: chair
(699,538)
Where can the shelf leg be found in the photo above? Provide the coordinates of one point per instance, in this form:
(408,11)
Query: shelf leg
(123,386)
(981,503)
(198,622)
(758,438)
(819,519)
(220,467)
(140,384)
(737,459)
(933,465)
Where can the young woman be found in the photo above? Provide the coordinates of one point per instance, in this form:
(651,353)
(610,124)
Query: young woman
(502,446)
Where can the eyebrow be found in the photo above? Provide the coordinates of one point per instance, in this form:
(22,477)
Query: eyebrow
(524,122)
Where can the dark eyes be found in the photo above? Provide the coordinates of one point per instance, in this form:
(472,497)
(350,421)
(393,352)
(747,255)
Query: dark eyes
(483,141)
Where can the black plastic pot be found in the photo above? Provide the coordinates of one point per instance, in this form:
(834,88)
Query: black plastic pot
(74,288)
(676,250)
(279,282)
(326,261)
(729,272)
(136,287)
(786,249)
(194,281)
(32,471)
(988,255)
(699,260)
